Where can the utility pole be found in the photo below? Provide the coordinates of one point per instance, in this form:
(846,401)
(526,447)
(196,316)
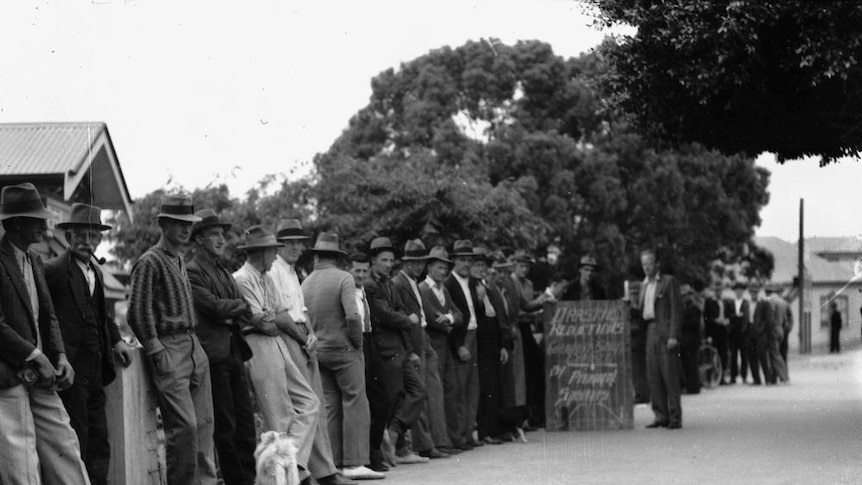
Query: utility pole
(804,330)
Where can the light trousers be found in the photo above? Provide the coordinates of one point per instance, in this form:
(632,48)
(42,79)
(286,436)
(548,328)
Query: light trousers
(349,415)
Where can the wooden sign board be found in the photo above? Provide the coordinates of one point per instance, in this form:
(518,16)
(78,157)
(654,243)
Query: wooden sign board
(588,366)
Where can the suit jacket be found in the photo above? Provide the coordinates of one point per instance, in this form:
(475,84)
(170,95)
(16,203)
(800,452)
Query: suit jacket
(760,324)
(390,325)
(17,322)
(433,309)
(459,333)
(504,318)
(220,309)
(738,323)
(573,292)
(668,308)
(409,304)
(69,294)
(777,317)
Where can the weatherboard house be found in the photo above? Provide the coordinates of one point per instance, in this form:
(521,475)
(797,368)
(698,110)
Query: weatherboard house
(830,276)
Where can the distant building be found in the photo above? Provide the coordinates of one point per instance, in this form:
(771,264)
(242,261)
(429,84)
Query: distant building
(829,266)
(67,162)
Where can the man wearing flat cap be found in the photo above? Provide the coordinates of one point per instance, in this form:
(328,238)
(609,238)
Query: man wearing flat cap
(221,311)
(586,287)
(92,340)
(301,339)
(285,398)
(330,294)
(429,430)
(161,313)
(392,330)
(37,442)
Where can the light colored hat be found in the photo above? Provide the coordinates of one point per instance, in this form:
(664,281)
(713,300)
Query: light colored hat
(439,253)
(500,261)
(462,248)
(178,207)
(22,200)
(259,237)
(588,261)
(414,251)
(327,242)
(289,229)
(84,215)
(380,244)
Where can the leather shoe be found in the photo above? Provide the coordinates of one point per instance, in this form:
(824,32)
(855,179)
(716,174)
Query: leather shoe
(490,440)
(379,466)
(657,424)
(674,426)
(507,437)
(410,459)
(433,454)
(451,451)
(475,444)
(465,446)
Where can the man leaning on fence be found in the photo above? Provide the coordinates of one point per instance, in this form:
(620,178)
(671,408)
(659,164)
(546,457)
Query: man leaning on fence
(161,313)
(37,442)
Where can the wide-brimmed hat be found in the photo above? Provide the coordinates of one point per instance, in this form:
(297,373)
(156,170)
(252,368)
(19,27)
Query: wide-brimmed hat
(481,253)
(380,244)
(500,261)
(22,200)
(439,253)
(327,242)
(414,251)
(259,237)
(178,207)
(84,215)
(739,286)
(522,256)
(208,218)
(462,248)
(588,261)
(288,229)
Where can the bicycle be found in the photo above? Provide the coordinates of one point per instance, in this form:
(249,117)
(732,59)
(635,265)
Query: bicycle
(709,365)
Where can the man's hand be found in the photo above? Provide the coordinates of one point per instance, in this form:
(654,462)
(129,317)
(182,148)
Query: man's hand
(46,371)
(504,356)
(414,359)
(414,319)
(123,353)
(672,343)
(464,354)
(311,342)
(442,319)
(65,373)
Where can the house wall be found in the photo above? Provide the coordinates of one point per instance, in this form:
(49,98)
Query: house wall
(851,316)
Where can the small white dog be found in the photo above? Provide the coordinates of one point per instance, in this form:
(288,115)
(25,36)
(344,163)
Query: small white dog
(276,460)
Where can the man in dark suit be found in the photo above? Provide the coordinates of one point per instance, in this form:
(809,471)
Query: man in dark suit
(221,311)
(586,287)
(738,310)
(91,339)
(392,330)
(37,439)
(661,310)
(757,339)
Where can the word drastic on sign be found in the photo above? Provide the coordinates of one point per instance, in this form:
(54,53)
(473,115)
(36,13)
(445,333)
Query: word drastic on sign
(588,364)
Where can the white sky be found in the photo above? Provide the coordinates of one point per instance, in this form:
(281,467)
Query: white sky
(191,90)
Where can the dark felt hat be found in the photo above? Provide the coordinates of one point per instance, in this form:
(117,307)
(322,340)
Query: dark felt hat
(327,242)
(481,253)
(414,251)
(259,237)
(209,218)
(22,200)
(289,229)
(178,207)
(462,248)
(84,215)
(380,244)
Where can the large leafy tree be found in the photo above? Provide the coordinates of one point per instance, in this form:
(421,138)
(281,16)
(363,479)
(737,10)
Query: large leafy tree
(741,75)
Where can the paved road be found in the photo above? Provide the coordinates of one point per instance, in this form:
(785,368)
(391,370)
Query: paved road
(809,432)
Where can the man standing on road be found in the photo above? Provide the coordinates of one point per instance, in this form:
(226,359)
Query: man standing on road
(91,339)
(777,325)
(221,312)
(661,307)
(161,313)
(37,442)
(739,318)
(331,300)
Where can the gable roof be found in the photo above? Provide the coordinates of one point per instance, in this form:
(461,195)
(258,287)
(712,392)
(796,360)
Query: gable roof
(819,269)
(64,153)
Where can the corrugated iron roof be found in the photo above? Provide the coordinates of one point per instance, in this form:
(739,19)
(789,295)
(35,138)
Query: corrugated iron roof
(45,148)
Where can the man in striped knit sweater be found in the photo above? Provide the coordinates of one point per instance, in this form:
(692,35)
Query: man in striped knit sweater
(161,313)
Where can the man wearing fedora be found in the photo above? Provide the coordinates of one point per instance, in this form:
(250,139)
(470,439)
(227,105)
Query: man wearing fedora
(221,312)
(429,430)
(330,294)
(463,340)
(37,443)
(586,287)
(301,340)
(392,330)
(286,400)
(161,313)
(91,339)
(442,316)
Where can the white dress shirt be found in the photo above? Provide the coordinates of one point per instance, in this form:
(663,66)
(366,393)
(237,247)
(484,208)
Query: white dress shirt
(286,280)
(465,287)
(89,275)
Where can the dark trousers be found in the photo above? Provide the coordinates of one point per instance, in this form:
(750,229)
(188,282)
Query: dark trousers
(777,366)
(719,335)
(488,422)
(835,340)
(534,368)
(758,357)
(378,397)
(453,393)
(663,369)
(85,403)
(405,392)
(235,435)
(690,368)
(738,355)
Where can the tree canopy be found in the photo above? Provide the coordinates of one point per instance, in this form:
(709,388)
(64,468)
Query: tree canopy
(512,146)
(748,76)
